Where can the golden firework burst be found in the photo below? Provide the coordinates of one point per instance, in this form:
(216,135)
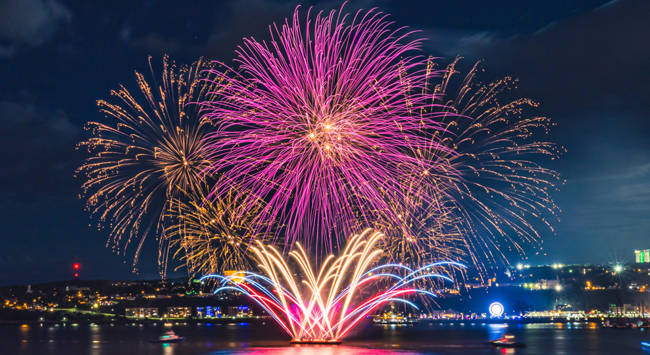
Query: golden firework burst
(150,143)
(211,234)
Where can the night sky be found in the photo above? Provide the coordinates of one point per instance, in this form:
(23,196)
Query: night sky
(587,62)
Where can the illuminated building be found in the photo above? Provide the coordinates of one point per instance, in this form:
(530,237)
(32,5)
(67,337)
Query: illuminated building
(142,312)
(178,312)
(543,284)
(239,311)
(208,312)
(642,256)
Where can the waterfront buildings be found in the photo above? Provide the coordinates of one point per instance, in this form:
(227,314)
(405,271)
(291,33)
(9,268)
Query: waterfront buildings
(141,312)
(607,289)
(642,256)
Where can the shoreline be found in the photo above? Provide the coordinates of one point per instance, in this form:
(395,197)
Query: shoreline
(265,320)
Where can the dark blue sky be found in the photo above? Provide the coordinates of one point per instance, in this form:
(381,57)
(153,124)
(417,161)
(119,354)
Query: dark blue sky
(587,62)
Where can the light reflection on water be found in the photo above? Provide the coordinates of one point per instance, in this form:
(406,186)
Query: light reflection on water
(495,331)
(314,350)
(218,339)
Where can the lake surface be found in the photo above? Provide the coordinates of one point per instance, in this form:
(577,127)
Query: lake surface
(242,338)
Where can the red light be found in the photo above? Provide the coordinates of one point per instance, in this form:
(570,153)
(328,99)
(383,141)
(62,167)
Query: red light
(76,274)
(75,266)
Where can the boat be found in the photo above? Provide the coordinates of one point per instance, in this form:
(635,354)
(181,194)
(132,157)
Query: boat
(507,341)
(645,345)
(168,337)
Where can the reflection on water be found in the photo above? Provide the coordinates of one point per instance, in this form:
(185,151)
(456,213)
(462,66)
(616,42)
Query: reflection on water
(217,339)
(315,350)
(496,331)
(95,339)
(168,349)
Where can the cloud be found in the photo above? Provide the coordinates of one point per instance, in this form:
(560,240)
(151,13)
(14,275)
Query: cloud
(155,43)
(37,147)
(29,23)
(451,43)
(637,171)
(598,56)
(231,22)
(606,210)
(628,191)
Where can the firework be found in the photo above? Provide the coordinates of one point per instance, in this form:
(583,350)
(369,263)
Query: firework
(211,235)
(319,122)
(498,187)
(149,144)
(426,231)
(325,306)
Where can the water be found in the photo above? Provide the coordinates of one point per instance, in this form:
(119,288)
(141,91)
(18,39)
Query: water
(428,338)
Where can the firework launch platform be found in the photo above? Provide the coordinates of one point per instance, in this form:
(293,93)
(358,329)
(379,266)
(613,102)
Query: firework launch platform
(316,341)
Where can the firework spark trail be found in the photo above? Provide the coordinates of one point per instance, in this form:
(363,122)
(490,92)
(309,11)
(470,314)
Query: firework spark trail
(331,302)
(498,188)
(428,231)
(319,122)
(210,235)
(335,123)
(149,145)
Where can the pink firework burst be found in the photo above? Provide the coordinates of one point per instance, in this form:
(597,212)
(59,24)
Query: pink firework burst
(322,122)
